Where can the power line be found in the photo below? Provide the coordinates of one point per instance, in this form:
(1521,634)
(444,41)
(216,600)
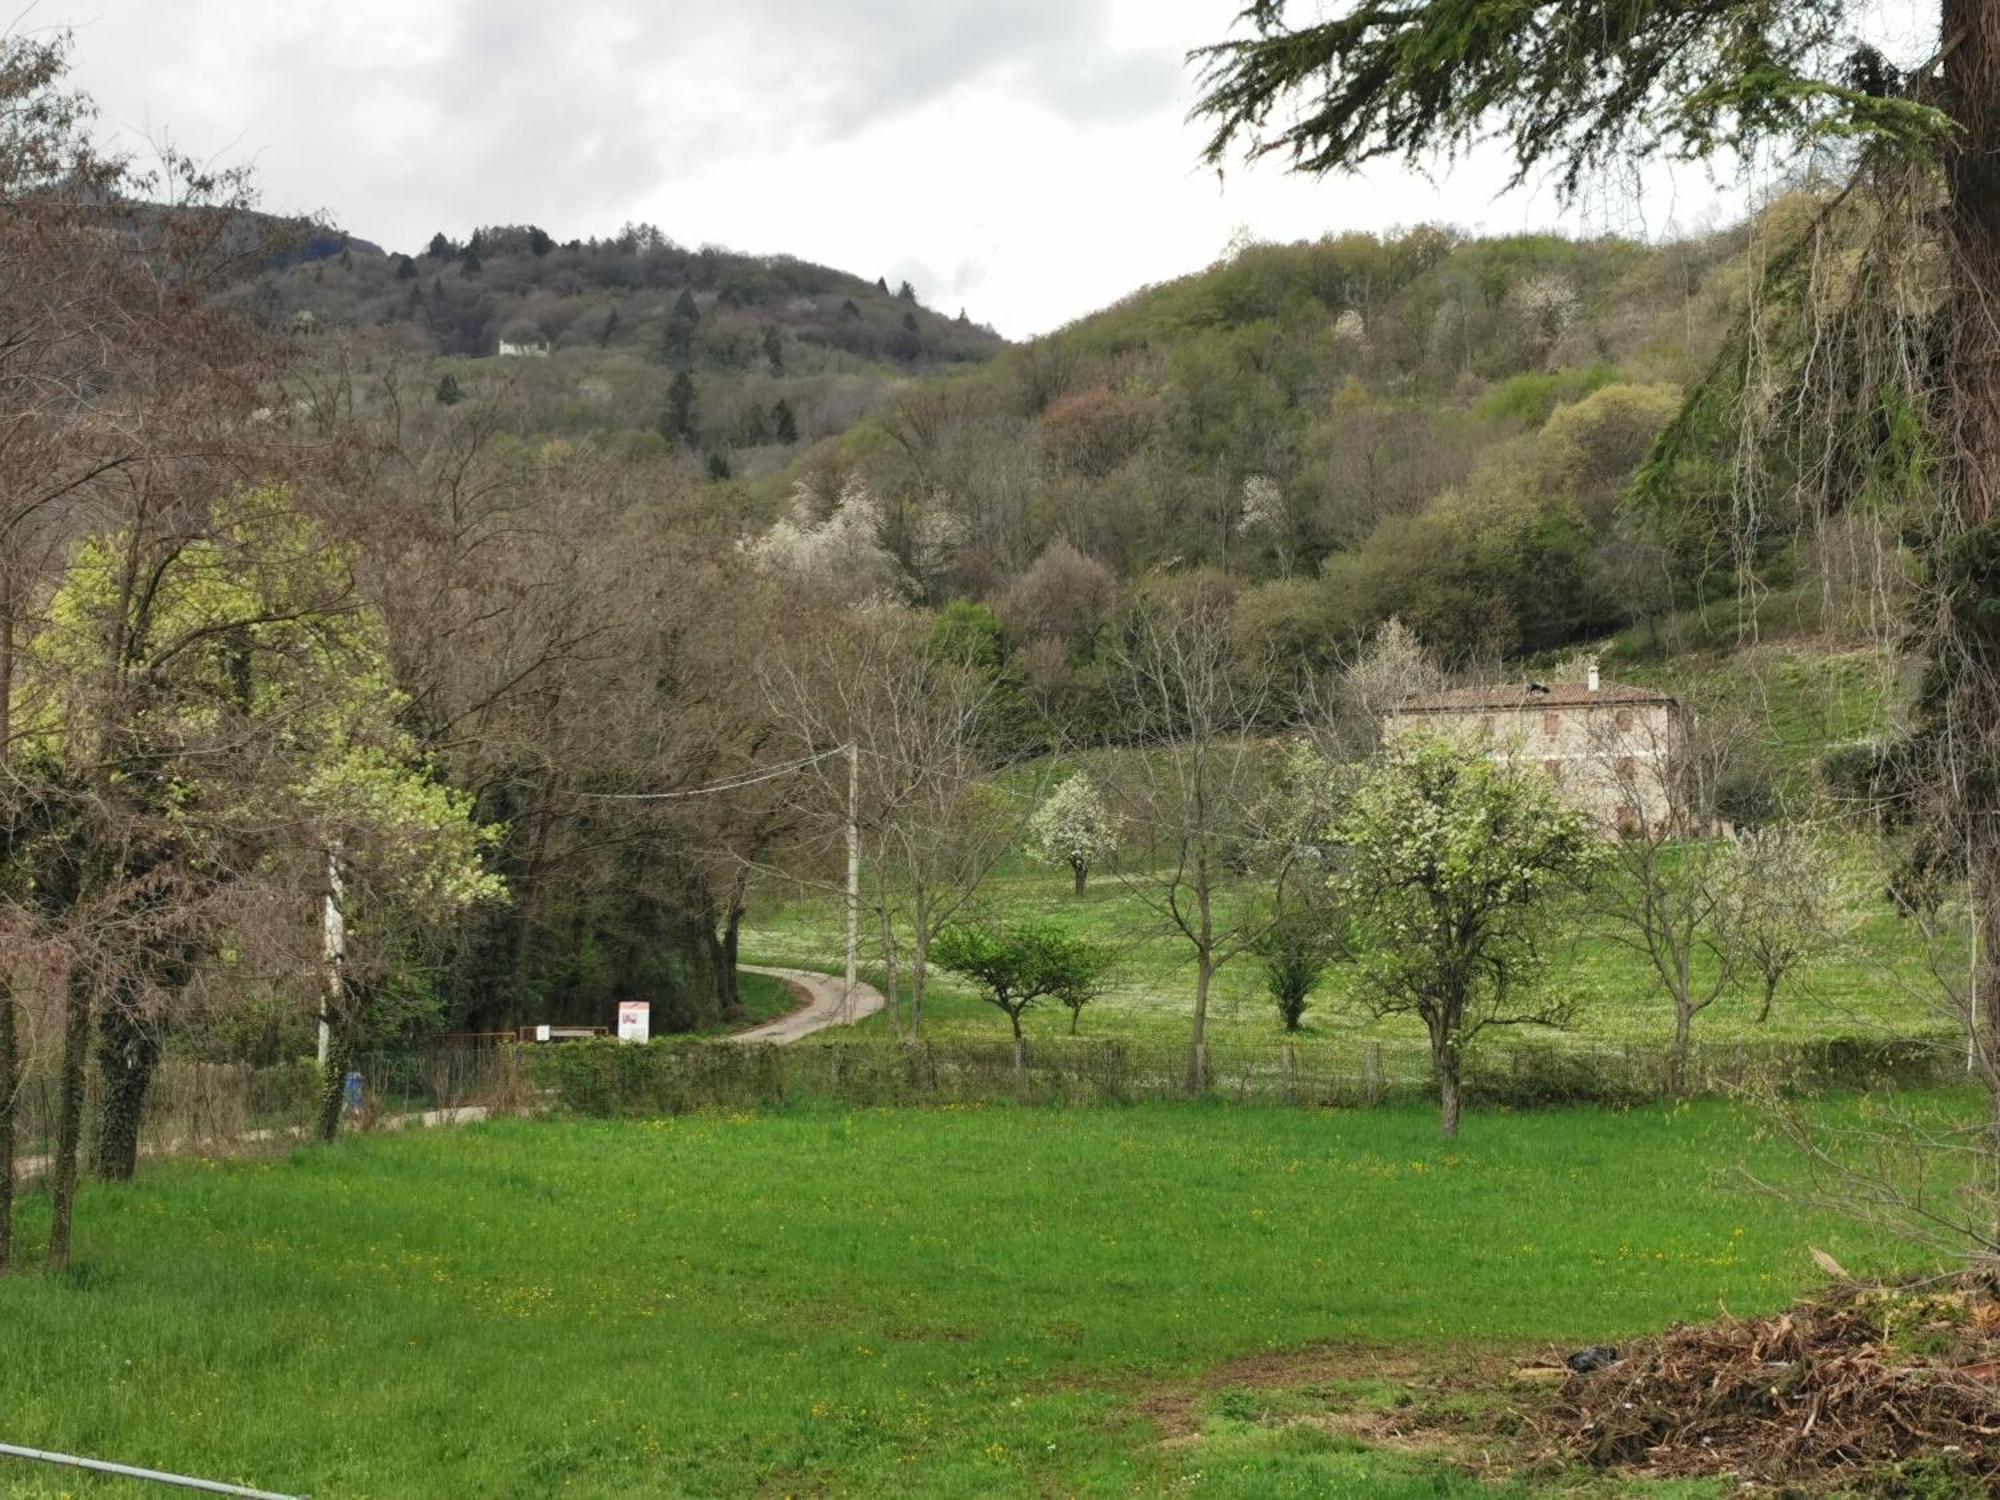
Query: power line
(719,786)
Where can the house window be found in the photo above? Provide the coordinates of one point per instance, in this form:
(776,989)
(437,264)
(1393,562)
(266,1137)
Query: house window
(1552,723)
(1554,768)
(1625,767)
(1624,718)
(1486,725)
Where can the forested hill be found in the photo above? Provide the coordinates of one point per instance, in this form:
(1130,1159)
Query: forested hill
(517,283)
(1426,424)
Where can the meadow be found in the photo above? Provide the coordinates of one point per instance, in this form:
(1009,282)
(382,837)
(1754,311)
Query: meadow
(1873,985)
(1172,1298)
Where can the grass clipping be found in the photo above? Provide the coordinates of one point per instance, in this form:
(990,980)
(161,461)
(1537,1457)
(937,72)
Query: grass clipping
(1837,1390)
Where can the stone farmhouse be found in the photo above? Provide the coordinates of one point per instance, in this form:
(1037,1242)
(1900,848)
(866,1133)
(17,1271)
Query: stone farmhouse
(1616,752)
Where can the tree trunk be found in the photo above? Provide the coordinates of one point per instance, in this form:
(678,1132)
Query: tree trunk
(1970,94)
(333,1082)
(1197,1068)
(10,1083)
(732,944)
(1677,1059)
(1080,871)
(69,1112)
(919,966)
(1770,993)
(1444,1064)
(1020,1051)
(1075,1015)
(128,1050)
(1204,970)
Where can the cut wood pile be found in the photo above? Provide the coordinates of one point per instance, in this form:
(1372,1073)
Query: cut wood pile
(1849,1391)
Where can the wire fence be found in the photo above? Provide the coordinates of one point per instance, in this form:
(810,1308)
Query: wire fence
(230,1109)
(606,1079)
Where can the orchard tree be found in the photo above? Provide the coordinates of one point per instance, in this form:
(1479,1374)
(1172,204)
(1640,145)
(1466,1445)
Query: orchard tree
(1074,827)
(1453,862)
(1874,328)
(1015,966)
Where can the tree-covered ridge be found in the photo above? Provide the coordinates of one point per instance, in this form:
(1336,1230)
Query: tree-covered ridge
(1422,425)
(709,308)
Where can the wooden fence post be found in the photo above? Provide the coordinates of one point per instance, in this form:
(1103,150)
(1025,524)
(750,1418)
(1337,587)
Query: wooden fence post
(1290,1064)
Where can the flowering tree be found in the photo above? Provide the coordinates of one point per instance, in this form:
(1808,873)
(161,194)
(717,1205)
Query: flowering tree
(1451,863)
(843,556)
(1074,827)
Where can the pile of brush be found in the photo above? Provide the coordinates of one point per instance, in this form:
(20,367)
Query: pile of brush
(1863,1381)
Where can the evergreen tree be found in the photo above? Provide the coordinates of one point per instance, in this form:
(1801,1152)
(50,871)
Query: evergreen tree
(539,243)
(906,292)
(784,426)
(448,393)
(909,322)
(882,285)
(848,309)
(718,466)
(440,248)
(774,349)
(470,264)
(406,269)
(677,343)
(678,423)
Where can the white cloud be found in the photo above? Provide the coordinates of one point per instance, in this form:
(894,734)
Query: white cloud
(1028,159)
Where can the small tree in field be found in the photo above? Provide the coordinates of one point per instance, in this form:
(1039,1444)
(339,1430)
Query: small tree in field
(1295,953)
(1014,966)
(1786,905)
(1074,827)
(1452,860)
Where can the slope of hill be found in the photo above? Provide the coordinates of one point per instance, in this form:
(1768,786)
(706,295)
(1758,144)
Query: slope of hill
(774,350)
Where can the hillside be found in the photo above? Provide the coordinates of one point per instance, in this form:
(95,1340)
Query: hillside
(776,351)
(1426,425)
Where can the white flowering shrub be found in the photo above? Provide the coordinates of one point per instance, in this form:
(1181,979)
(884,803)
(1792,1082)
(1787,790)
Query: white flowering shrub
(1073,827)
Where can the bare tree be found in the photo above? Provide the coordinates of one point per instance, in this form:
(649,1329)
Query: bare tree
(1192,781)
(931,830)
(1787,904)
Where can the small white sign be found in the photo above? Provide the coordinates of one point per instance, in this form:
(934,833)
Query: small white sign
(541,1033)
(635,1020)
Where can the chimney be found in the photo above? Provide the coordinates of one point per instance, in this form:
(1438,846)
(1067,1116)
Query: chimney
(1591,680)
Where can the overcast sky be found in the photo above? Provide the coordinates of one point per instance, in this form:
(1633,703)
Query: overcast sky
(1027,160)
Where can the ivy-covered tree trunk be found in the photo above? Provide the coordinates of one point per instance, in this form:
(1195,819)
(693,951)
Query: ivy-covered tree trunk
(77,1007)
(333,1081)
(128,1051)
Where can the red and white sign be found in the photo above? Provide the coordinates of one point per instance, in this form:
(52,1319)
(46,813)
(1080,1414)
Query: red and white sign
(635,1021)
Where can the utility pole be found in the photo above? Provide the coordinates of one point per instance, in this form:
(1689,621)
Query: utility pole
(333,928)
(853,875)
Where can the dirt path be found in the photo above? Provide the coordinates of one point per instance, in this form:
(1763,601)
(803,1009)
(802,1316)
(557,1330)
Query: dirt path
(830,1005)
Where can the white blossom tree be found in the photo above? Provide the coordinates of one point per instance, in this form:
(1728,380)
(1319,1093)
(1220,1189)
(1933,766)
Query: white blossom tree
(1073,827)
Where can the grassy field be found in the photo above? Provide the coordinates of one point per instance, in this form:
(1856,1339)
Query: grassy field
(1006,1301)
(1872,987)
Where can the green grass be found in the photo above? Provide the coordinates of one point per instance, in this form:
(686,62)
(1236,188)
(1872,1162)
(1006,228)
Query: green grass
(878,1303)
(1873,986)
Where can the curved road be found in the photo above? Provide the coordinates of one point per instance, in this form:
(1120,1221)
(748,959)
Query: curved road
(830,1005)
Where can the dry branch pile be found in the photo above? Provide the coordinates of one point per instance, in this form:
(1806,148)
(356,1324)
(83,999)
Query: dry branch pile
(1835,1391)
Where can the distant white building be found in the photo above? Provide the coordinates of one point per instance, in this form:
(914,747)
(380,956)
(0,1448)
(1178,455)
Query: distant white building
(1615,752)
(524,345)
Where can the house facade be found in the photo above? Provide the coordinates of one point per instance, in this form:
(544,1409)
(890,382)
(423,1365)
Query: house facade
(1614,751)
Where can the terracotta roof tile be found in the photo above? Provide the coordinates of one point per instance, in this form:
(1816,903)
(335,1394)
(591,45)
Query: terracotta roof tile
(1519,695)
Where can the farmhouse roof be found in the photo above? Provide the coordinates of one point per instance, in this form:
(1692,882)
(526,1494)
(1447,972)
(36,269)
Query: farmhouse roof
(1510,696)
